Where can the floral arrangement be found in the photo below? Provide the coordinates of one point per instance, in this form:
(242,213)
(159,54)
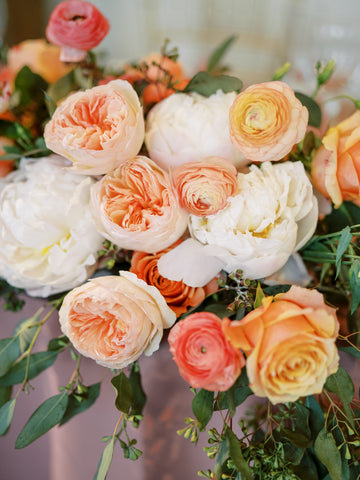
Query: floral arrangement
(141,202)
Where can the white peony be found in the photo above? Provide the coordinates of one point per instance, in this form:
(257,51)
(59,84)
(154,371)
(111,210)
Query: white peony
(273,215)
(47,235)
(189,127)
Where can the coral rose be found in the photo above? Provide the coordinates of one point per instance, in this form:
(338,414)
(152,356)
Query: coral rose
(266,121)
(114,319)
(290,344)
(177,295)
(97,129)
(335,167)
(136,208)
(206,359)
(204,187)
(77,26)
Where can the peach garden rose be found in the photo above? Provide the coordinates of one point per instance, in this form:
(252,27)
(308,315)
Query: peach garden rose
(266,121)
(206,359)
(290,344)
(115,319)
(97,129)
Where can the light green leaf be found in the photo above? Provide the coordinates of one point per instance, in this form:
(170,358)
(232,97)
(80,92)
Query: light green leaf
(9,352)
(206,84)
(124,391)
(25,331)
(219,53)
(105,461)
(344,242)
(6,415)
(237,456)
(315,114)
(76,406)
(202,406)
(355,285)
(281,72)
(328,453)
(45,417)
(259,296)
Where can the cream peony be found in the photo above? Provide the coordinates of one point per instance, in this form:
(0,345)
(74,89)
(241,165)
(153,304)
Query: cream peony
(189,127)
(48,238)
(273,215)
(114,319)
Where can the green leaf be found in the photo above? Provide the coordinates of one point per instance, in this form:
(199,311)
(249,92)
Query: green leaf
(237,456)
(76,406)
(325,72)
(351,351)
(61,89)
(218,309)
(341,384)
(45,417)
(236,395)
(328,453)
(222,456)
(344,242)
(59,343)
(6,415)
(38,363)
(25,330)
(8,129)
(124,391)
(259,296)
(355,285)
(315,114)
(202,406)
(281,72)
(5,395)
(9,352)
(219,53)
(105,461)
(316,417)
(139,396)
(29,85)
(206,84)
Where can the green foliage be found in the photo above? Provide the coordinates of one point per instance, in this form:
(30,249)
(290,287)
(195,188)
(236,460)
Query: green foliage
(105,461)
(217,55)
(80,401)
(281,72)
(10,294)
(206,84)
(29,86)
(202,406)
(9,352)
(328,453)
(6,415)
(315,115)
(139,397)
(124,391)
(235,453)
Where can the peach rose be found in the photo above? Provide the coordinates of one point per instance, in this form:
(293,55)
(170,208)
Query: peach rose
(136,208)
(77,26)
(290,344)
(177,295)
(204,187)
(335,167)
(115,319)
(266,121)
(40,57)
(97,129)
(204,356)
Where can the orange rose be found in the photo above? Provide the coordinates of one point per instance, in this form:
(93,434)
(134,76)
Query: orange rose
(290,344)
(204,187)
(335,167)
(266,121)
(177,295)
(204,356)
(40,56)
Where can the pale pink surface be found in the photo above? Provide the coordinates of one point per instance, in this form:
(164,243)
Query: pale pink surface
(204,357)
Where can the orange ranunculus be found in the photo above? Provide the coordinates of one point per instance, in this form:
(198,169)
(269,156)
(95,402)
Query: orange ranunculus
(41,57)
(6,166)
(290,344)
(114,319)
(206,359)
(335,167)
(204,187)
(178,295)
(266,121)
(158,67)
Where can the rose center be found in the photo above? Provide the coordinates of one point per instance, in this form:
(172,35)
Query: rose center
(203,350)
(75,18)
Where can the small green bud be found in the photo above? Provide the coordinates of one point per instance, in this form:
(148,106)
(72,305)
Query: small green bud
(281,72)
(325,73)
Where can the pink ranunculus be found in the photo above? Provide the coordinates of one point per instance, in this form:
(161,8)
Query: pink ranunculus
(204,357)
(115,319)
(77,26)
(136,208)
(97,129)
(204,187)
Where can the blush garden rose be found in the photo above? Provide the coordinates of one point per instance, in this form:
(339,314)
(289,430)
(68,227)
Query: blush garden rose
(115,319)
(290,344)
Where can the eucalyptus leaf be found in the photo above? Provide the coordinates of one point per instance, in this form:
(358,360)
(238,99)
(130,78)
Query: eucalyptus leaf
(202,406)
(316,417)
(351,351)
(6,415)
(237,456)
(5,395)
(315,115)
(25,331)
(206,84)
(222,456)
(105,461)
(9,352)
(38,363)
(344,242)
(45,417)
(124,391)
(355,285)
(341,384)
(139,396)
(76,406)
(219,53)
(328,453)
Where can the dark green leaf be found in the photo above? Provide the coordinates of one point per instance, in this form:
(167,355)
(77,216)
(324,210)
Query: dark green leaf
(219,53)
(105,461)
(259,296)
(344,242)
(29,85)
(328,453)
(276,289)
(9,352)
(45,417)
(38,363)
(351,350)
(236,395)
(341,384)
(237,456)
(202,406)
(139,397)
(218,309)
(316,417)
(355,285)
(8,129)
(307,469)
(222,456)
(124,391)
(59,343)
(206,84)
(315,114)
(76,406)
(6,415)
(299,439)
(5,395)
